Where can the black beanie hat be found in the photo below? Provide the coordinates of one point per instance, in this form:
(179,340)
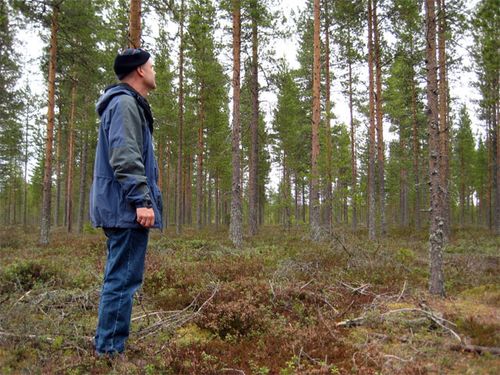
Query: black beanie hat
(127,60)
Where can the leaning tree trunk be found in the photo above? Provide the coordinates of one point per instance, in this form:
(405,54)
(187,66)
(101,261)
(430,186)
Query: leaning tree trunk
(253,204)
(47,176)
(236,223)
(436,235)
(371,147)
(314,213)
(134,39)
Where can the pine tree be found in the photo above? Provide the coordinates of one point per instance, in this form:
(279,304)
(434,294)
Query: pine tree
(436,239)
(314,213)
(236,224)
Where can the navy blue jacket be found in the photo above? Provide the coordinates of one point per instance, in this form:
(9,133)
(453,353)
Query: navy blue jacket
(125,169)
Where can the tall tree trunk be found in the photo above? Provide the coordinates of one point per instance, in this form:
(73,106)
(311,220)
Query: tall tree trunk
(462,190)
(83,182)
(25,182)
(403,181)
(371,147)
(496,125)
(217,201)
(135,24)
(179,213)
(443,116)
(208,220)
(314,213)
(380,124)
(200,178)
(47,176)
(253,203)
(166,210)
(58,146)
(189,193)
(416,151)
(286,194)
(354,172)
(329,179)
(489,192)
(236,223)
(71,145)
(436,235)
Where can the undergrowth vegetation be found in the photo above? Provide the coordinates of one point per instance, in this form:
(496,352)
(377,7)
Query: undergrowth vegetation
(281,305)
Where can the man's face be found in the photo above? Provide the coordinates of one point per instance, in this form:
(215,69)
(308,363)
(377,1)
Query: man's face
(149,75)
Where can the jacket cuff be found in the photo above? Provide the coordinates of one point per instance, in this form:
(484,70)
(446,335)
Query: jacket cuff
(144,203)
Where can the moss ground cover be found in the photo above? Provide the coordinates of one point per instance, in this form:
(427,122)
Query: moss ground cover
(281,305)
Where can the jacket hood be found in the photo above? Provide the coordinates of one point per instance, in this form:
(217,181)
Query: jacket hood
(124,89)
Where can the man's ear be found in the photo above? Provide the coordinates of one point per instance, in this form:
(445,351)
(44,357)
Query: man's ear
(140,71)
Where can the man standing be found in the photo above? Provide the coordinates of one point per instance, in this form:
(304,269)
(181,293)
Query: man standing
(124,200)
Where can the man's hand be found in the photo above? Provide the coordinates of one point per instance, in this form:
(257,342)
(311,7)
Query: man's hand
(145,216)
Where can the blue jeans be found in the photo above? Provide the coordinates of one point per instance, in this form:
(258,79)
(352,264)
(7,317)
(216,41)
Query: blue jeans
(122,277)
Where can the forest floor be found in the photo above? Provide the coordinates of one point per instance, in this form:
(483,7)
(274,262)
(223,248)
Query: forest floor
(281,305)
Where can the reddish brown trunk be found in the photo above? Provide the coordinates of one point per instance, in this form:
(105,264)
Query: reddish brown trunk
(371,148)
(47,176)
(329,179)
(134,40)
(314,213)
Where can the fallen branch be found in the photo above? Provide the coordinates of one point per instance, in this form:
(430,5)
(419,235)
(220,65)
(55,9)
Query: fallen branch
(175,318)
(429,314)
(476,349)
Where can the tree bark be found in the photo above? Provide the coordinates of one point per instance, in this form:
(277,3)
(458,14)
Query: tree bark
(71,145)
(314,213)
(135,24)
(236,223)
(380,124)
(200,178)
(436,235)
(371,147)
(83,182)
(443,116)
(25,182)
(416,151)
(59,146)
(253,203)
(354,173)
(328,136)
(47,177)
(180,213)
